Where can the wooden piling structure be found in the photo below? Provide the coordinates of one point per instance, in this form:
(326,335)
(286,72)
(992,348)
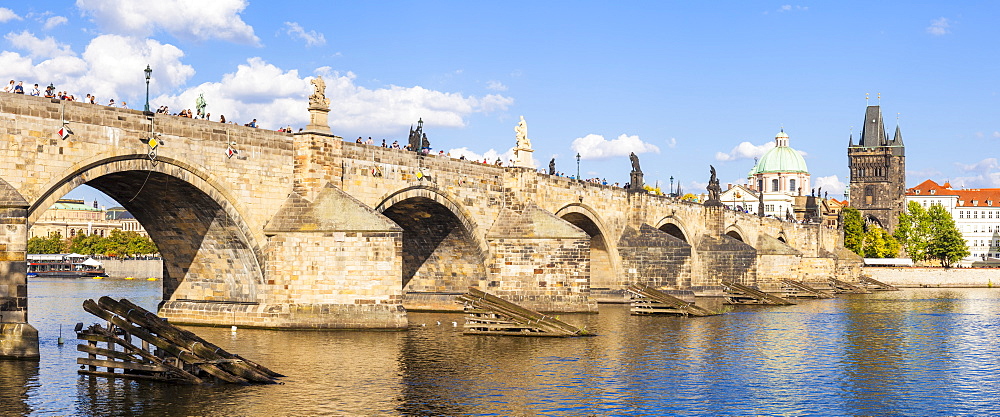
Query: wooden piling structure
(167,353)
(796,289)
(876,285)
(742,294)
(487,314)
(647,300)
(842,287)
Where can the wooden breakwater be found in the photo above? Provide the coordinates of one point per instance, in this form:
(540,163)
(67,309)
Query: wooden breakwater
(737,293)
(647,300)
(163,352)
(487,314)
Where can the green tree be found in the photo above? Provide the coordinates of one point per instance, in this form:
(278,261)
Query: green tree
(878,244)
(854,230)
(914,231)
(87,244)
(119,243)
(946,244)
(53,243)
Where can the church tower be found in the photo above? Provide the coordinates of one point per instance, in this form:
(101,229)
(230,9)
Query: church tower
(878,172)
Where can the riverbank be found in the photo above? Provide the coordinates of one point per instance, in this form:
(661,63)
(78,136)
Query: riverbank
(936,277)
(133,268)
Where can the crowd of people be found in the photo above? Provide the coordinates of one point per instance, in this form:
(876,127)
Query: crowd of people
(17,87)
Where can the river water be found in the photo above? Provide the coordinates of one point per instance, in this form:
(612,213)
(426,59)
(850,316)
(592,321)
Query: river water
(912,352)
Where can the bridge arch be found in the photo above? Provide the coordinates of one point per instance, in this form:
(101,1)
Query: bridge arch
(737,233)
(675,228)
(443,248)
(604,270)
(208,248)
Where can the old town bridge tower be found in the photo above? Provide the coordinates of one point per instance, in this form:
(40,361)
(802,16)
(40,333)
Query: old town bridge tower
(878,172)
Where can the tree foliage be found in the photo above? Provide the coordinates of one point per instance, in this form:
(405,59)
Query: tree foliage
(854,230)
(53,243)
(914,231)
(946,244)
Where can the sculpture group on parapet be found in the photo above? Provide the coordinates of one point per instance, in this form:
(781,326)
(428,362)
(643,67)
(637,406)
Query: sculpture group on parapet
(318,98)
(418,139)
(714,190)
(552,166)
(635,177)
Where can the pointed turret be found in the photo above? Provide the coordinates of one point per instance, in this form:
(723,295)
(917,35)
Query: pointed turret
(850,140)
(873,131)
(897,140)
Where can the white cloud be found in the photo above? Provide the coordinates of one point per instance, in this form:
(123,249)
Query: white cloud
(110,66)
(982,174)
(939,26)
(672,143)
(996,134)
(489,156)
(789,7)
(394,108)
(831,184)
(196,20)
(596,147)
(495,86)
(311,37)
(7,15)
(745,150)
(38,48)
(53,22)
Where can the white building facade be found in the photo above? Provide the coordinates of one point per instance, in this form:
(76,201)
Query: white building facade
(976,213)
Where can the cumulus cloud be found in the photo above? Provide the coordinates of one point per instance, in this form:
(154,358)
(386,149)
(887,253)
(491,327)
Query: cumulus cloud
(311,37)
(38,48)
(495,86)
(195,20)
(789,8)
(7,15)
(672,143)
(596,147)
(939,26)
(996,134)
(53,22)
(831,184)
(276,97)
(110,66)
(983,174)
(386,110)
(745,150)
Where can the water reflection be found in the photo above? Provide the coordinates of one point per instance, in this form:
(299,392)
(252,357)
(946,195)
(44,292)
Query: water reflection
(922,351)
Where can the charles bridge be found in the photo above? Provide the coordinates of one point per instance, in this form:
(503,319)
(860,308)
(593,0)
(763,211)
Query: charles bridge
(272,229)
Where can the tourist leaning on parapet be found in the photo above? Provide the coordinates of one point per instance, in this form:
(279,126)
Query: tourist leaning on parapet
(19,88)
(9,88)
(35,92)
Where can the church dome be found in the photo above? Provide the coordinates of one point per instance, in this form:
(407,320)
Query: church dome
(781,158)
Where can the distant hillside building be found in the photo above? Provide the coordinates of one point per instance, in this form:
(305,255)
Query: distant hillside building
(976,213)
(70,217)
(878,172)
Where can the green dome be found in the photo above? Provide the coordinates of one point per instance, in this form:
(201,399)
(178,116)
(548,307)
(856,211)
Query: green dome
(781,158)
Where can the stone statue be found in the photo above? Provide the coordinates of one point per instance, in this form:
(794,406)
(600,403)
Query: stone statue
(318,97)
(552,166)
(521,132)
(200,104)
(714,190)
(760,204)
(635,162)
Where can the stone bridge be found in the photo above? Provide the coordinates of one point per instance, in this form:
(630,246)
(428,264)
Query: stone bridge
(308,231)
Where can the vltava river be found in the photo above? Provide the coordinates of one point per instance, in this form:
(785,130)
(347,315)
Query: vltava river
(914,352)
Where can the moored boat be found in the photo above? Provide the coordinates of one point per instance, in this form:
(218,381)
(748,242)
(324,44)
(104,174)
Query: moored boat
(64,266)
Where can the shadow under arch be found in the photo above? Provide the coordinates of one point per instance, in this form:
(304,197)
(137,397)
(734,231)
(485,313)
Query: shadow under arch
(674,228)
(208,248)
(437,232)
(604,270)
(736,233)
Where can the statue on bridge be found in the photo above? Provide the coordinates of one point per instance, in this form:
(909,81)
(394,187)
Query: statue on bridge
(552,166)
(635,162)
(418,139)
(521,131)
(318,98)
(635,177)
(199,104)
(714,190)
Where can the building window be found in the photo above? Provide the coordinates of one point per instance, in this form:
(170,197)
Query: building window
(869,195)
(774,185)
(791,185)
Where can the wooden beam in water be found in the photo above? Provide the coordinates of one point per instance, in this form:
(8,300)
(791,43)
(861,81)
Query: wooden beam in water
(796,289)
(488,314)
(741,294)
(647,300)
(842,287)
(876,285)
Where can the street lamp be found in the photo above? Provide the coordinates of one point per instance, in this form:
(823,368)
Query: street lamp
(577,166)
(672,186)
(149,72)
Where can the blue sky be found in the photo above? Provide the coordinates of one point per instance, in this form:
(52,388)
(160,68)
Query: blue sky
(682,84)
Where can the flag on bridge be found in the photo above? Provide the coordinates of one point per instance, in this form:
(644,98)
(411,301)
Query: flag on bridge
(64,132)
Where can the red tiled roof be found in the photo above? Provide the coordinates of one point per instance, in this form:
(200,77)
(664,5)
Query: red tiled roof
(981,196)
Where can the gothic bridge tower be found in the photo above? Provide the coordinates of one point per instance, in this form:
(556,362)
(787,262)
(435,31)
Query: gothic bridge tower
(878,172)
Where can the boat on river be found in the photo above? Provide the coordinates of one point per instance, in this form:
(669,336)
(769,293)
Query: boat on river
(64,266)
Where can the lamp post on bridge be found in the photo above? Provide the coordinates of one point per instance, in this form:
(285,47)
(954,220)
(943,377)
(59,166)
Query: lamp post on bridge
(149,73)
(578,166)
(672,186)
